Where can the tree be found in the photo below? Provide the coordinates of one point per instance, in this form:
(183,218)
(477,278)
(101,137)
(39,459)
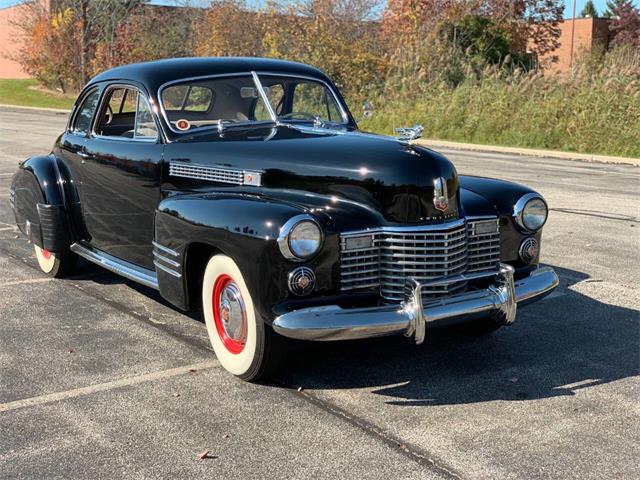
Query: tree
(59,43)
(625,24)
(589,10)
(228,27)
(335,35)
(150,32)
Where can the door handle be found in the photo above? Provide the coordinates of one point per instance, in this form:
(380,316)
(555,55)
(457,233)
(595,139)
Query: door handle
(84,156)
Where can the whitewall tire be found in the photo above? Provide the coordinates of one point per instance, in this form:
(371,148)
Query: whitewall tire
(55,264)
(243,344)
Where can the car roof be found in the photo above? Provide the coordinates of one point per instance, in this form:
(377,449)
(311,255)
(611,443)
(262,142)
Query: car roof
(156,73)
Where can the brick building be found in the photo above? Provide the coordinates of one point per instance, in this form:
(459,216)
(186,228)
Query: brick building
(587,34)
(9,45)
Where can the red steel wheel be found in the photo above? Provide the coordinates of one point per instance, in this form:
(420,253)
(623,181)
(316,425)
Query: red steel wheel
(229,313)
(244,345)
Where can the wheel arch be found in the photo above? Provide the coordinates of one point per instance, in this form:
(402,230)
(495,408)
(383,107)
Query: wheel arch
(45,202)
(245,228)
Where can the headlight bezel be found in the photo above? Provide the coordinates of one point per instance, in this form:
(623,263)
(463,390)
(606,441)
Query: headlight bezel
(520,209)
(284,238)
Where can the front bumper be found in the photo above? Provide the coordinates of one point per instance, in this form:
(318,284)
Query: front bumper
(411,318)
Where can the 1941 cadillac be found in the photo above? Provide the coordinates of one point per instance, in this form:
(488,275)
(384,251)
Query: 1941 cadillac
(244,187)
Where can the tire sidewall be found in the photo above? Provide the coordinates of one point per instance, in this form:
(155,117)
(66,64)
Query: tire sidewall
(241,364)
(47,265)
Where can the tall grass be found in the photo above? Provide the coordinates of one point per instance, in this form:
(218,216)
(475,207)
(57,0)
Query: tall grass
(595,109)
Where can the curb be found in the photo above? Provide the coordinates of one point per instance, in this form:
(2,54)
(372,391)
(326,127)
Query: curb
(41,109)
(584,157)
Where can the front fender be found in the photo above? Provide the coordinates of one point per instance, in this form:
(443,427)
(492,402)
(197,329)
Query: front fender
(43,210)
(243,227)
(503,195)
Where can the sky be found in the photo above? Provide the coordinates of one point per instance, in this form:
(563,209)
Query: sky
(567,13)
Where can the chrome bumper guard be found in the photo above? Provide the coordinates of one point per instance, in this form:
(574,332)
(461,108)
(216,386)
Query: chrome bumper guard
(413,315)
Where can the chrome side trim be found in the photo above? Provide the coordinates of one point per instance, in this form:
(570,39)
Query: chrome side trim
(216,173)
(166,260)
(167,269)
(412,318)
(117,265)
(164,249)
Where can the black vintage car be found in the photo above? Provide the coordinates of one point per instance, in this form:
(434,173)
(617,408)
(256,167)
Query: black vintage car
(243,186)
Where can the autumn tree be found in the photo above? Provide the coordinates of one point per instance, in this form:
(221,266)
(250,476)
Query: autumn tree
(150,32)
(338,36)
(625,23)
(229,28)
(59,43)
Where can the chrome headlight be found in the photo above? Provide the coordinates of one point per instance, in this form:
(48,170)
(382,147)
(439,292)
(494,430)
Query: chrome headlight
(530,212)
(300,238)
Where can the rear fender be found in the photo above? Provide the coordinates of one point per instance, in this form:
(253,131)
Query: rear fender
(44,202)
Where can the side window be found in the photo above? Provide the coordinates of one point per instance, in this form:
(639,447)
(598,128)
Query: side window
(145,126)
(82,122)
(314,98)
(126,114)
(275,94)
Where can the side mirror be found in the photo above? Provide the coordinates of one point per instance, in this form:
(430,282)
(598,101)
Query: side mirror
(367,110)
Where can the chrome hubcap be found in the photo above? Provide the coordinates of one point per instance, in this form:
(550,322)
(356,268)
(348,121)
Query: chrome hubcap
(233,313)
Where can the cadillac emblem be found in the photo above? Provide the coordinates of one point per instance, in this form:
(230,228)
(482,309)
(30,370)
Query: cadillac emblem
(440,196)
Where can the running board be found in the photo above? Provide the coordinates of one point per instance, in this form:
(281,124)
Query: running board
(117,265)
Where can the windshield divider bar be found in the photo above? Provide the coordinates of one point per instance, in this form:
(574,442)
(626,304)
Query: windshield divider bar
(264,97)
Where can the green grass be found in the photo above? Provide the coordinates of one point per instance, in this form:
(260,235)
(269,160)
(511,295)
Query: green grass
(20,92)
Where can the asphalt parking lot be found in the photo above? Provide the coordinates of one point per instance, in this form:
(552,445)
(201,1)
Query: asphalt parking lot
(99,378)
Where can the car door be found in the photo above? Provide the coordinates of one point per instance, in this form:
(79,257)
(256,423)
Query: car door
(121,175)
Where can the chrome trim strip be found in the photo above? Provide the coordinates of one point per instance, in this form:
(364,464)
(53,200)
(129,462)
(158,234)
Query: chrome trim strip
(117,265)
(165,249)
(167,269)
(409,229)
(166,260)
(499,300)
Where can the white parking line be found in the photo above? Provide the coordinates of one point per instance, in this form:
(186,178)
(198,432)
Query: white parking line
(21,282)
(4,229)
(101,387)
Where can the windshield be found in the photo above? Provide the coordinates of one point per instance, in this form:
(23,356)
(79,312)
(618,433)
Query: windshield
(245,99)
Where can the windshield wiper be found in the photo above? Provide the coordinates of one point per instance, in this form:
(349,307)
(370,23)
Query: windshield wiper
(224,125)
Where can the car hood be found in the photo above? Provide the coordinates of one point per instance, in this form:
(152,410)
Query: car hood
(379,173)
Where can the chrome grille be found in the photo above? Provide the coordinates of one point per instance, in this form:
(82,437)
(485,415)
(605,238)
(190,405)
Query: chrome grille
(484,245)
(386,258)
(201,172)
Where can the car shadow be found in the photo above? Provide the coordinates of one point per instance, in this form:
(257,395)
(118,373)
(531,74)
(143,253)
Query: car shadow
(566,342)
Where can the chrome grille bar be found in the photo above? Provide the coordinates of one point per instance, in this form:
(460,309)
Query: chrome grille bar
(389,256)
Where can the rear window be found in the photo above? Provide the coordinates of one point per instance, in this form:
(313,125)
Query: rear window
(188,98)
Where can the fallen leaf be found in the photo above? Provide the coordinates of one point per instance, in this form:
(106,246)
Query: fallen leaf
(203,455)
(226,435)
(299,389)
(191,370)
(176,395)
(71,350)
(513,379)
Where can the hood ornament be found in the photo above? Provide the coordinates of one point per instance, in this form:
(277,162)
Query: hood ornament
(409,133)
(440,194)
